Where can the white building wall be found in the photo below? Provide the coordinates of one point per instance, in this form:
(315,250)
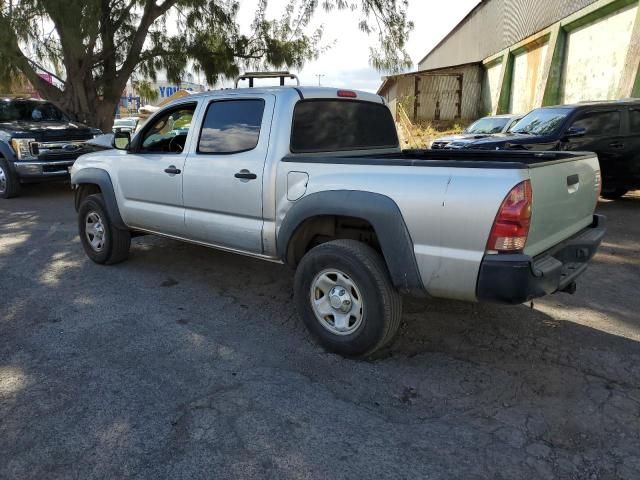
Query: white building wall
(595,56)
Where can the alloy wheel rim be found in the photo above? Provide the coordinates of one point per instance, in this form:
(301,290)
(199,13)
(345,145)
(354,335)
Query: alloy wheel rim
(336,302)
(94,231)
(3,180)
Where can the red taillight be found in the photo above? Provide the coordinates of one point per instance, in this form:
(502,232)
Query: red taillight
(511,226)
(347,94)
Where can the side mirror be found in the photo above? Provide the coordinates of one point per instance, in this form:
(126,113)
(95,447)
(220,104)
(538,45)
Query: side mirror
(121,140)
(575,132)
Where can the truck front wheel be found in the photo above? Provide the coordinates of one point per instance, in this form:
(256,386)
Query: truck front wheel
(102,241)
(614,193)
(345,297)
(9,184)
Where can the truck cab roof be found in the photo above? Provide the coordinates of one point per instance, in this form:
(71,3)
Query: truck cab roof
(597,103)
(302,92)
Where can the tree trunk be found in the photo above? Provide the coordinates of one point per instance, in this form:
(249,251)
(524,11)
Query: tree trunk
(105,113)
(83,107)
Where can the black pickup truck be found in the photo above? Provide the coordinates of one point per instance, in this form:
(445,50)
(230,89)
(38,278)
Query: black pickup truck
(38,142)
(611,129)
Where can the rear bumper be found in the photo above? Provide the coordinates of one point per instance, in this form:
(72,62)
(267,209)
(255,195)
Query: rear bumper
(516,279)
(43,170)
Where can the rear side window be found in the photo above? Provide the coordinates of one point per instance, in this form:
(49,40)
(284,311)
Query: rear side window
(599,123)
(340,125)
(231,126)
(634,120)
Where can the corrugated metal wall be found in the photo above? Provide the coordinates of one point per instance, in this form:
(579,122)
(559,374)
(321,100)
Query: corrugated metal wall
(495,25)
(440,92)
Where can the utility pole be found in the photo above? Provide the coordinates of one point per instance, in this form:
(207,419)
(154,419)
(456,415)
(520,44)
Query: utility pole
(320,75)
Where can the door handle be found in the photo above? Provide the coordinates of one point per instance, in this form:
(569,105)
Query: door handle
(172,170)
(616,145)
(245,175)
(572,180)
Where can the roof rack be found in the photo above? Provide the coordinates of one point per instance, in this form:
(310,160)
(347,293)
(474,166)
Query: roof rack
(251,76)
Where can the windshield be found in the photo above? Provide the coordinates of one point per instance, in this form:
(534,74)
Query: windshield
(487,125)
(30,111)
(543,121)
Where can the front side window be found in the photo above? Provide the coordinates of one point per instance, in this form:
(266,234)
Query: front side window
(599,123)
(231,126)
(168,132)
(543,121)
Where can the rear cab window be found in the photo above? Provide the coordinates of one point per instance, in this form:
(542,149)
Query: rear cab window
(334,125)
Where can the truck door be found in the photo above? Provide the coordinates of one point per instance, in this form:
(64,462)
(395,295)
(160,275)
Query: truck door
(603,136)
(223,178)
(632,151)
(150,176)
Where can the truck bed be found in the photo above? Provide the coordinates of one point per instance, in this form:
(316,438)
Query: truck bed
(494,159)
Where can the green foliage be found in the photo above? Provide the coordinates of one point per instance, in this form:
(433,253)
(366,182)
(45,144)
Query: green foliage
(146,91)
(92,47)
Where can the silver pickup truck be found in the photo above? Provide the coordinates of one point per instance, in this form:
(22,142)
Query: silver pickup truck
(315,178)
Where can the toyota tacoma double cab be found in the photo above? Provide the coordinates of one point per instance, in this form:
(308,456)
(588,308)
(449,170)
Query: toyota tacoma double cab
(38,143)
(315,178)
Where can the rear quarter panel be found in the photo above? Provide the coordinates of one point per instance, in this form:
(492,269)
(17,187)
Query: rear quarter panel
(448,212)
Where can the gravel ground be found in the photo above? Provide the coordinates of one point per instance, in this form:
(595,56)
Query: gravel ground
(189,363)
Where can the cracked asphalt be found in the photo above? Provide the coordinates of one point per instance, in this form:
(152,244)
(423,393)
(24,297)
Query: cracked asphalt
(189,363)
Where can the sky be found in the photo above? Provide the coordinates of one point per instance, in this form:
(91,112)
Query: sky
(346,63)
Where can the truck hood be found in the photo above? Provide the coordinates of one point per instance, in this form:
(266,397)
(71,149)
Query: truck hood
(43,131)
(499,141)
(461,138)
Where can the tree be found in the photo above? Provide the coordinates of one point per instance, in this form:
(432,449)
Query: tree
(146,91)
(92,47)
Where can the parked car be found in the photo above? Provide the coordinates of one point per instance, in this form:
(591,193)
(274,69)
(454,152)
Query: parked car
(38,142)
(315,178)
(127,124)
(610,129)
(479,129)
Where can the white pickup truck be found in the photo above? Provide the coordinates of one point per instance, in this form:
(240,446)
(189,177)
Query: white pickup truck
(315,178)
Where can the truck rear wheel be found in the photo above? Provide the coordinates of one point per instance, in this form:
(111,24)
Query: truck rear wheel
(614,193)
(345,296)
(9,184)
(102,241)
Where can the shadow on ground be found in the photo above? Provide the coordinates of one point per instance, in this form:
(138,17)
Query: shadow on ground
(188,363)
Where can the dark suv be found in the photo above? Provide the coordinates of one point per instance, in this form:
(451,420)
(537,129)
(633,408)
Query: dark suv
(38,142)
(610,129)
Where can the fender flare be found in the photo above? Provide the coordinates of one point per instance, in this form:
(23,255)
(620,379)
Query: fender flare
(101,178)
(9,155)
(379,210)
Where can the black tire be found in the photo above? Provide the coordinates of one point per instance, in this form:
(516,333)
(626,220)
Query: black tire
(382,304)
(9,183)
(116,242)
(614,194)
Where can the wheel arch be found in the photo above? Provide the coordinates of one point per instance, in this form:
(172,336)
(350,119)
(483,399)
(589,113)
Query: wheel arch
(7,153)
(96,180)
(377,210)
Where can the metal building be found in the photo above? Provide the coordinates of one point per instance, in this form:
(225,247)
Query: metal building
(509,56)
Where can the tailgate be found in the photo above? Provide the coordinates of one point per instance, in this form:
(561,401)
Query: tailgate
(564,199)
